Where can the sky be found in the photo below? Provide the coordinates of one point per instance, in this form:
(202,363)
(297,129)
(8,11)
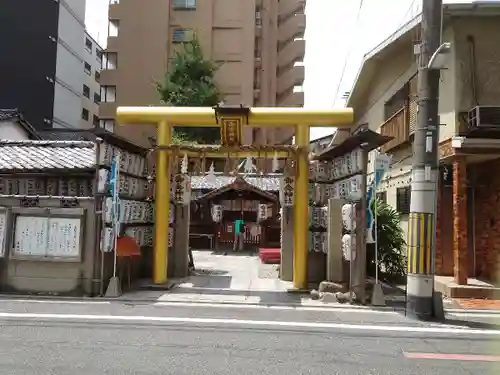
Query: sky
(338,33)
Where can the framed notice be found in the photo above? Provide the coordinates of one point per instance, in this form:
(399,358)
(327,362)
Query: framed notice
(47,238)
(31,236)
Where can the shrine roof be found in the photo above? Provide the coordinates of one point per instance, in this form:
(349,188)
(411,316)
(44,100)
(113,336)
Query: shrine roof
(237,186)
(39,156)
(270,182)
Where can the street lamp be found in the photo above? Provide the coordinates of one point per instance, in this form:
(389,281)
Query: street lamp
(438,59)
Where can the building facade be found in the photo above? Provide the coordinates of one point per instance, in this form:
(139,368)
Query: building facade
(42,61)
(259,43)
(384,96)
(91,88)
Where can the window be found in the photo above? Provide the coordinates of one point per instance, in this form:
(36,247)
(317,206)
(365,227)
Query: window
(98,55)
(112,2)
(97,98)
(108,94)
(109,60)
(382,196)
(97,76)
(403,196)
(85,114)
(88,45)
(113,27)
(258,17)
(182,35)
(184,4)
(87,68)
(107,124)
(95,120)
(86,91)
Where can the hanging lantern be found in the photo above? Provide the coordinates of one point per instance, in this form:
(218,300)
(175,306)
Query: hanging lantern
(216,213)
(287,191)
(262,212)
(182,195)
(349,247)
(349,217)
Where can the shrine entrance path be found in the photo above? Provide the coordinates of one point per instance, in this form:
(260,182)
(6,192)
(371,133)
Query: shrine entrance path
(231,278)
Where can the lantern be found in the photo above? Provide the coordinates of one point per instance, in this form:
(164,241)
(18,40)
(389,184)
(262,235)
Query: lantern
(217,213)
(349,247)
(349,217)
(262,212)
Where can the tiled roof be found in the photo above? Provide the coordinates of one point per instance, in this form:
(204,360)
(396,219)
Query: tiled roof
(267,183)
(45,155)
(8,114)
(15,114)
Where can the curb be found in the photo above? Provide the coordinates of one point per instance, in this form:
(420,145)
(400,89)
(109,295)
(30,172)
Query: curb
(332,306)
(473,311)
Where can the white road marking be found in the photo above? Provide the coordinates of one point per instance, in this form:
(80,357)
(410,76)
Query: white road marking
(255,323)
(273,307)
(55,301)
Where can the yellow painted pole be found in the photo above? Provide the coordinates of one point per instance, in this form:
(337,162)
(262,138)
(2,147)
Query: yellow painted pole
(301,210)
(162,205)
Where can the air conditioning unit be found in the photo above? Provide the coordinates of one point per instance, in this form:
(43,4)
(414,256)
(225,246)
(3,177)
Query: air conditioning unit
(484,118)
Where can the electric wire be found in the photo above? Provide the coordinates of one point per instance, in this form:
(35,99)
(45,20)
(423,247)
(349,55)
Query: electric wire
(348,54)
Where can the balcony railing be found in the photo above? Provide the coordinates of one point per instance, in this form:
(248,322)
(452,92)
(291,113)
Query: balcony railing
(396,126)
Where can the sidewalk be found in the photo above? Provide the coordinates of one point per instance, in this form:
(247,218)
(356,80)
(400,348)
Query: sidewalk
(478,304)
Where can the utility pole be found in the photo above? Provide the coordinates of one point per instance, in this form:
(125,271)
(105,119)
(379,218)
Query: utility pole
(425,171)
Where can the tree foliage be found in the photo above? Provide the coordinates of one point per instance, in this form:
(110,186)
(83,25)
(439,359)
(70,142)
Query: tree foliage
(390,242)
(189,82)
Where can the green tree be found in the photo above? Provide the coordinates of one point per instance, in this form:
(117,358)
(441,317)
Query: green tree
(189,82)
(390,243)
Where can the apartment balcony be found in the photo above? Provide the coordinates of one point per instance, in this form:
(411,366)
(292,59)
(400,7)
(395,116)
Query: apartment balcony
(288,7)
(291,76)
(292,51)
(114,10)
(107,110)
(396,126)
(113,44)
(109,77)
(293,97)
(294,25)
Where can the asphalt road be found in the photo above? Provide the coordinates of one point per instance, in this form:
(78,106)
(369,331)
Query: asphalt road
(114,338)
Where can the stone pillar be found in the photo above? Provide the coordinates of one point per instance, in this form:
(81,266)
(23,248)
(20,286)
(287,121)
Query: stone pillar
(286,267)
(181,241)
(460,240)
(334,258)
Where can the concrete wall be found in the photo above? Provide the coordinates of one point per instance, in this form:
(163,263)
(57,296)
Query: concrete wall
(69,65)
(45,275)
(484,31)
(13,131)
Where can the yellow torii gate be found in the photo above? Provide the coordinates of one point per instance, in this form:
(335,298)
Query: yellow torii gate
(232,120)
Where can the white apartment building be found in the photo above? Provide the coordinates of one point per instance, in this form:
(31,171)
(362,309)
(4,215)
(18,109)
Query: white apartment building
(91,88)
(69,64)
